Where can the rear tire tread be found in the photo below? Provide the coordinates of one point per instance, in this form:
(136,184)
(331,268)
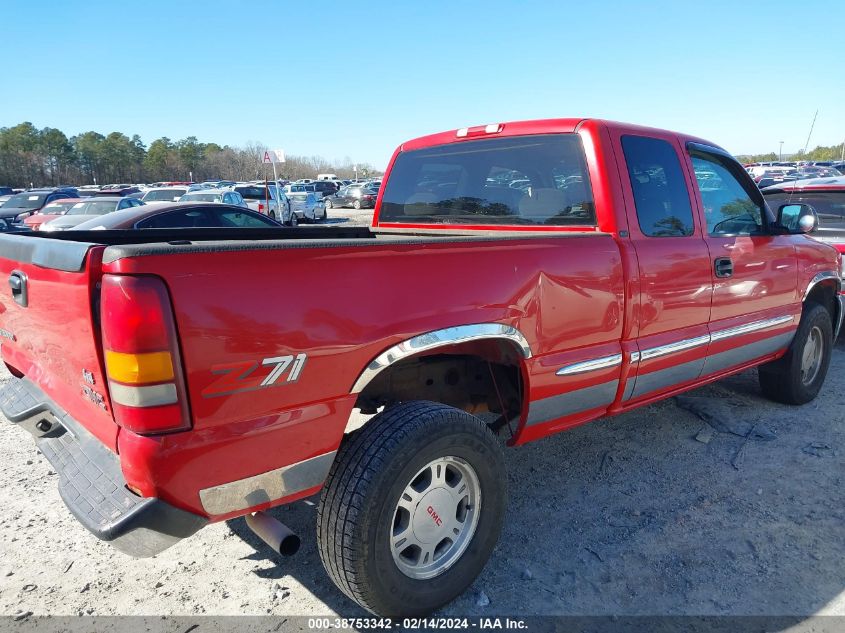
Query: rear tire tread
(358,462)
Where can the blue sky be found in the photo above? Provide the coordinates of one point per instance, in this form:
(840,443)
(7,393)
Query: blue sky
(341,79)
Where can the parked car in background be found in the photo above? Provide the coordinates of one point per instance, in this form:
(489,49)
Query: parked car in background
(89,208)
(265,198)
(299,187)
(50,211)
(22,205)
(817,171)
(164,215)
(826,196)
(306,206)
(7,191)
(355,196)
(164,194)
(223,196)
(325,187)
(119,190)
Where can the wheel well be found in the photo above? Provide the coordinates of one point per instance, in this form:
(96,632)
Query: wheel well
(824,294)
(484,378)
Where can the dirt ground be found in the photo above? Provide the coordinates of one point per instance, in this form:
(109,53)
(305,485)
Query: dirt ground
(649,513)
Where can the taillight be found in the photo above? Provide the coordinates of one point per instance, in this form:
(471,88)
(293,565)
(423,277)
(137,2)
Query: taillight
(260,208)
(143,365)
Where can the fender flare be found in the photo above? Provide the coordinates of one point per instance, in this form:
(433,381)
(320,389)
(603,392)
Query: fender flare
(440,338)
(839,299)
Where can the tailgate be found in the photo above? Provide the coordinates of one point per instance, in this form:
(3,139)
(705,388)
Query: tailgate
(47,324)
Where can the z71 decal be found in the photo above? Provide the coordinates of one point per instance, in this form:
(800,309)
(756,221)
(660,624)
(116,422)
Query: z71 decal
(238,377)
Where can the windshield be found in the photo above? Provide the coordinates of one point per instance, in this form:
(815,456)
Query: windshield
(93,207)
(26,201)
(163,194)
(256,193)
(202,197)
(525,180)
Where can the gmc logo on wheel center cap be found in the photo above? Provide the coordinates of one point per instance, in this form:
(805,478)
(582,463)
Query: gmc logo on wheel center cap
(434,516)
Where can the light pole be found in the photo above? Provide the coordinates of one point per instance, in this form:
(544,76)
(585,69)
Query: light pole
(780,152)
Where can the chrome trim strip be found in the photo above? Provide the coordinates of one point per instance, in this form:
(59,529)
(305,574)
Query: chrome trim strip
(754,326)
(671,348)
(149,396)
(590,365)
(838,325)
(820,277)
(269,486)
(698,341)
(440,338)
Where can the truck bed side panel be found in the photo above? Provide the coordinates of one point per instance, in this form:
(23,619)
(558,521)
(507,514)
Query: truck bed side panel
(239,312)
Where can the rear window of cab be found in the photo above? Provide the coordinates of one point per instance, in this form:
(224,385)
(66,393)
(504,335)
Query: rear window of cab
(537,180)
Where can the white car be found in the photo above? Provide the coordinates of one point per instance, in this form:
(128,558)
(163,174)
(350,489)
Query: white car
(164,194)
(265,200)
(223,196)
(307,206)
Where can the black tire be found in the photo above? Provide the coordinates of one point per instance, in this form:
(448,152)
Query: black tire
(272,215)
(358,503)
(356,205)
(783,380)
(293,220)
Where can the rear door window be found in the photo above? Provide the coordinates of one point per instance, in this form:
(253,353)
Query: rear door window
(660,190)
(525,180)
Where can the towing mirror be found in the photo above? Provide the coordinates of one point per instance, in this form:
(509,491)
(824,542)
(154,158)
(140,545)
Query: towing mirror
(798,218)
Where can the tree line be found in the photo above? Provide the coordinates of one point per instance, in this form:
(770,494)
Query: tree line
(821,152)
(47,157)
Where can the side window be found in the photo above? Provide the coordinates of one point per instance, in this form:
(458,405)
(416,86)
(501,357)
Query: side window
(123,204)
(244,220)
(660,191)
(728,207)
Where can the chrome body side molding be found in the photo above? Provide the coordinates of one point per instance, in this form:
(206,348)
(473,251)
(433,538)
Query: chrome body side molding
(440,338)
(671,348)
(754,326)
(590,365)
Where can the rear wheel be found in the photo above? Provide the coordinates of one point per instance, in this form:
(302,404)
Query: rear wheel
(356,205)
(272,215)
(412,508)
(798,377)
(293,220)
(328,204)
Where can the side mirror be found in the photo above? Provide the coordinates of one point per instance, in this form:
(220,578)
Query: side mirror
(798,218)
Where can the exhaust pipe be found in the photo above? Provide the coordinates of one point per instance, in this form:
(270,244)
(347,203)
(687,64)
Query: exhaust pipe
(273,532)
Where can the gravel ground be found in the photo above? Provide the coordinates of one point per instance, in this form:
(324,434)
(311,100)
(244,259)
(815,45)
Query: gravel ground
(648,513)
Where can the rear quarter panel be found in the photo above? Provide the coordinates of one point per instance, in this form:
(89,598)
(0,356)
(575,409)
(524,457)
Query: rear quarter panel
(343,306)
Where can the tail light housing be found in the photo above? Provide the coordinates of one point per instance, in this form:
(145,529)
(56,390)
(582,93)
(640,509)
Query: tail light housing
(143,364)
(260,208)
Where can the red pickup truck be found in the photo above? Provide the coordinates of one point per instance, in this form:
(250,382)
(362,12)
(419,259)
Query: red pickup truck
(519,279)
